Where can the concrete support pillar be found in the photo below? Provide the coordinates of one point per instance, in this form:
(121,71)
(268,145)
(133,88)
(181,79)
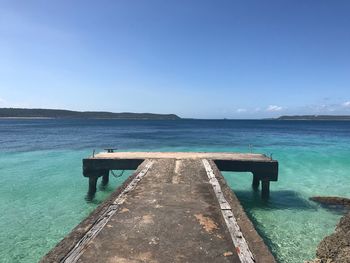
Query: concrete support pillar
(265,189)
(92,188)
(256,182)
(105,178)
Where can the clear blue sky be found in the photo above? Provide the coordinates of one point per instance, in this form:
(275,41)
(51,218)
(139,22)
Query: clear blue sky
(203,59)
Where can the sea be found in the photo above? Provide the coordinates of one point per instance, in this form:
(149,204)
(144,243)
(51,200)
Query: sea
(42,188)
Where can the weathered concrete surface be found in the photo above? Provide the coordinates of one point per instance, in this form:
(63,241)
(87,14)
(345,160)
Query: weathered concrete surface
(264,169)
(58,253)
(172,215)
(184,155)
(256,244)
(336,247)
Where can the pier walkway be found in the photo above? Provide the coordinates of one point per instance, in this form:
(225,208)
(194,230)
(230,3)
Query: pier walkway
(176,207)
(262,167)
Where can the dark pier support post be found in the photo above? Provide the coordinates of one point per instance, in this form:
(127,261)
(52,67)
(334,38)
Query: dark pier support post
(256,182)
(92,187)
(265,189)
(265,184)
(105,178)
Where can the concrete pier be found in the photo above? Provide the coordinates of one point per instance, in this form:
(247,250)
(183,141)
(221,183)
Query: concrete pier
(176,207)
(263,168)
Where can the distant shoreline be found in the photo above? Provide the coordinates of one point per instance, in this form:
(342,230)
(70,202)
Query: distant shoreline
(43,114)
(313,118)
(30,118)
(71,118)
(21,113)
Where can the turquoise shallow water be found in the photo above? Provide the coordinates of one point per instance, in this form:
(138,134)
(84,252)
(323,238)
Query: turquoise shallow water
(42,196)
(42,189)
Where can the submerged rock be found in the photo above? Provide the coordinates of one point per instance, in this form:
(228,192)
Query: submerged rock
(331,200)
(336,247)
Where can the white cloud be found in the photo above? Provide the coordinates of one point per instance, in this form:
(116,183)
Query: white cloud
(241,110)
(346,104)
(274,108)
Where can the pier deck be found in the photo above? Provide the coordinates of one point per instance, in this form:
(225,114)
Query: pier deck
(176,207)
(263,168)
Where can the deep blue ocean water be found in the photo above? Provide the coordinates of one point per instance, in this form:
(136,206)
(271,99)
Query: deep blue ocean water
(42,188)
